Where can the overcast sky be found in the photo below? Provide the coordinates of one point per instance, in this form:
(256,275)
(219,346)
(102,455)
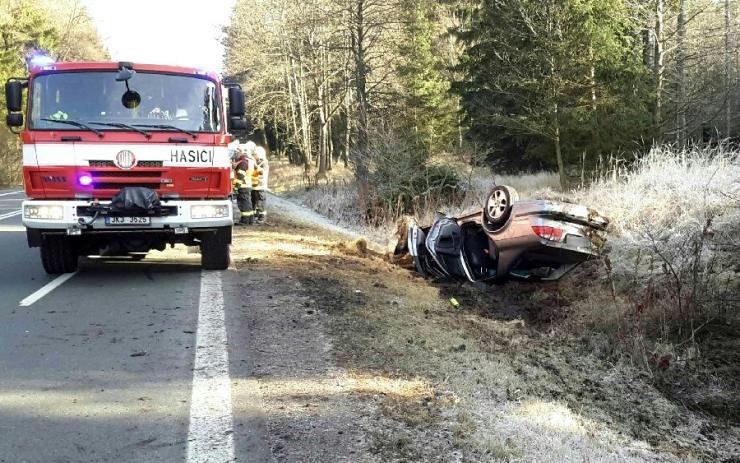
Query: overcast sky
(180,32)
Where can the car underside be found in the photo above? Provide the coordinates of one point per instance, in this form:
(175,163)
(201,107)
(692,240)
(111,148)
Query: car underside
(536,240)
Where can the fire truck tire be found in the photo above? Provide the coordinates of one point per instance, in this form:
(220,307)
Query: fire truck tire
(58,255)
(214,252)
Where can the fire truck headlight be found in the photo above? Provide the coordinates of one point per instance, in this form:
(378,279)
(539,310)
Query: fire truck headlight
(208,211)
(43,212)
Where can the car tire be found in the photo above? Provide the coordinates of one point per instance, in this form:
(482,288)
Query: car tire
(58,255)
(497,208)
(214,252)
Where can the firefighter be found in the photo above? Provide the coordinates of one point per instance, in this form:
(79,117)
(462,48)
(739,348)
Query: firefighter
(259,183)
(244,172)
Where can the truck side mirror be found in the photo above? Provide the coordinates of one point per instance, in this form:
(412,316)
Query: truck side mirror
(14,119)
(238,124)
(236,102)
(14,95)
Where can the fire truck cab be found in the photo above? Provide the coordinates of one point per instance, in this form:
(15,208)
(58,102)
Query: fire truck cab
(123,158)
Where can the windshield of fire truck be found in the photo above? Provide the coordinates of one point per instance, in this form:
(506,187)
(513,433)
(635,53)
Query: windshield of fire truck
(189,103)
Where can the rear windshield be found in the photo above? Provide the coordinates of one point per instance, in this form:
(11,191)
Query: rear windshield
(189,103)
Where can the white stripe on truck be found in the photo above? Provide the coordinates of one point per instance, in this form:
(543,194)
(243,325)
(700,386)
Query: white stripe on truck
(171,155)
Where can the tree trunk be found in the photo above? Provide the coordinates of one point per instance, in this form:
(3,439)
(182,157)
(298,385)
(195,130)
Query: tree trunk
(329,145)
(681,74)
(359,153)
(648,55)
(592,79)
(659,68)
(592,82)
(348,126)
(558,153)
(303,112)
(323,132)
(292,99)
(361,71)
(728,76)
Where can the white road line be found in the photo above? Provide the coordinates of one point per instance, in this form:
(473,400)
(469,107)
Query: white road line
(9,215)
(11,193)
(49,287)
(12,228)
(210,433)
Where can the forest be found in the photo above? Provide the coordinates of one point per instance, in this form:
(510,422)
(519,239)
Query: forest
(520,85)
(62,28)
(517,85)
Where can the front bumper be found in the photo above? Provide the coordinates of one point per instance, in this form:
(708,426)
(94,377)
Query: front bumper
(179,216)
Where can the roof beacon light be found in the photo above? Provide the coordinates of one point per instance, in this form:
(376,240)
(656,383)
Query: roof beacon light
(41,60)
(85,180)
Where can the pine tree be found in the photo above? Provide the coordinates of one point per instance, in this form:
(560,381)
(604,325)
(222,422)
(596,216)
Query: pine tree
(431,112)
(544,78)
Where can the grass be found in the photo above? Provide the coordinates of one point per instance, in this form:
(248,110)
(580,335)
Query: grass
(662,303)
(513,374)
(675,221)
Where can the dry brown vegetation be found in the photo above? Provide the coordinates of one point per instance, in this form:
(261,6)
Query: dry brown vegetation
(670,276)
(517,373)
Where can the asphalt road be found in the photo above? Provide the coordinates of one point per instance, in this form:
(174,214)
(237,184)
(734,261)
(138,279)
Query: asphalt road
(124,361)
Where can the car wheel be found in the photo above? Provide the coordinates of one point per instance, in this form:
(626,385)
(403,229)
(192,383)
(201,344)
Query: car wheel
(497,209)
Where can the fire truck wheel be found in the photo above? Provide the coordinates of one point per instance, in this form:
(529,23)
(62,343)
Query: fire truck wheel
(214,251)
(58,255)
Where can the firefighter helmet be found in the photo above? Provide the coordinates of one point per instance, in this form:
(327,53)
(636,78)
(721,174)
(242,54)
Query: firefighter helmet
(249,147)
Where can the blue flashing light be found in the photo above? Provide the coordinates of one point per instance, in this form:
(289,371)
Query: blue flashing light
(85,180)
(42,60)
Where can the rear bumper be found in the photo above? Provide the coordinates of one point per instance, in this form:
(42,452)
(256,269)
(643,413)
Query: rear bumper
(180,216)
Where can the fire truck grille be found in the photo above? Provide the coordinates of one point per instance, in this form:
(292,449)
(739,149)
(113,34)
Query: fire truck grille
(121,174)
(99,163)
(117,179)
(118,186)
(149,164)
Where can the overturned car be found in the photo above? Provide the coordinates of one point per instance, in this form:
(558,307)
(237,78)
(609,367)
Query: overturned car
(530,240)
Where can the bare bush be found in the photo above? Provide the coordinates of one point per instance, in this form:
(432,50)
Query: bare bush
(673,250)
(10,160)
(404,181)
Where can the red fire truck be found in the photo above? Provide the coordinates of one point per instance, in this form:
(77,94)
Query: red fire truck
(123,158)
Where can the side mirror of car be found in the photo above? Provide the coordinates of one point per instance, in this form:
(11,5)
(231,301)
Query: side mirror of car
(14,119)
(14,95)
(236,103)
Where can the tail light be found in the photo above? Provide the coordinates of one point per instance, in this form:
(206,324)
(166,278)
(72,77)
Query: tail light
(548,233)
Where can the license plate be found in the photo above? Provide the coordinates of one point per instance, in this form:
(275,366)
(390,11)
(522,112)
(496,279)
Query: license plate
(127,220)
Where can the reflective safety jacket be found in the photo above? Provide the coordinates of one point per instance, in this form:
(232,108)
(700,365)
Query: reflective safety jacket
(244,172)
(261,174)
